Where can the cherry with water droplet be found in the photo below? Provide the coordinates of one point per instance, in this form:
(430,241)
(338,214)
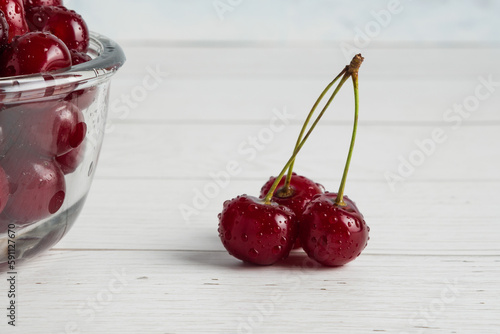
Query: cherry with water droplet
(34,52)
(66,24)
(332,234)
(36,3)
(252,230)
(15,17)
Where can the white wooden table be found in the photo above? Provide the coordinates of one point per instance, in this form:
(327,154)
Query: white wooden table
(134,264)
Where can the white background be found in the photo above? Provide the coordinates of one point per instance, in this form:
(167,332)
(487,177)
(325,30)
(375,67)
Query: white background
(439,21)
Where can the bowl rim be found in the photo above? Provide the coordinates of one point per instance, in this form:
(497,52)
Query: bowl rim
(107,57)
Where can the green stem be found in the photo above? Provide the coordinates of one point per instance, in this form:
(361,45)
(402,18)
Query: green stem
(340,195)
(270,193)
(303,130)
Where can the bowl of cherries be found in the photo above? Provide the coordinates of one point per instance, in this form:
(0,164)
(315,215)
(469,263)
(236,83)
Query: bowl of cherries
(54,90)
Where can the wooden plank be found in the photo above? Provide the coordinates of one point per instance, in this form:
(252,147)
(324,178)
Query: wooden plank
(281,61)
(209,292)
(216,99)
(195,150)
(422,218)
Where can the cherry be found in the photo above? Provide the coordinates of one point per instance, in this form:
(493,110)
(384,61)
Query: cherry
(4,31)
(54,129)
(15,16)
(79,57)
(257,232)
(36,3)
(299,193)
(331,234)
(70,161)
(34,52)
(45,128)
(37,188)
(66,24)
(333,231)
(4,189)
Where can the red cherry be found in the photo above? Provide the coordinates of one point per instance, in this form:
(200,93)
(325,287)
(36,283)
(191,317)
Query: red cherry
(70,161)
(331,234)
(15,16)
(301,192)
(37,188)
(79,57)
(4,31)
(49,129)
(34,52)
(4,189)
(256,232)
(36,3)
(66,24)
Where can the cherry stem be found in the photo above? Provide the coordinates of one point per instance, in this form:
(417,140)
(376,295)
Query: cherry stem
(270,193)
(304,126)
(340,196)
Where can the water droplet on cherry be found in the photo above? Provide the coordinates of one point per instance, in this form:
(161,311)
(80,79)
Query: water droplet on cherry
(253,252)
(277,249)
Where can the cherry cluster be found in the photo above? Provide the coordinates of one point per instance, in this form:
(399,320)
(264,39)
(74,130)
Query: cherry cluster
(294,211)
(40,141)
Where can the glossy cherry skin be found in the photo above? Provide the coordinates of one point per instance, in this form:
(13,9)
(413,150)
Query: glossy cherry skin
(255,232)
(36,3)
(70,161)
(4,31)
(37,188)
(333,235)
(15,16)
(4,189)
(66,24)
(34,52)
(301,192)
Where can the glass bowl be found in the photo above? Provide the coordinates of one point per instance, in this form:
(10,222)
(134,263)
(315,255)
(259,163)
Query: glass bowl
(51,131)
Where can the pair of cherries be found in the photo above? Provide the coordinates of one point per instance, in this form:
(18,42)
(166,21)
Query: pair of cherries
(296,210)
